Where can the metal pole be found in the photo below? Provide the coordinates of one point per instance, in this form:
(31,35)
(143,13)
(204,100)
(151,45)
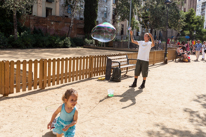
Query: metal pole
(130,21)
(165,61)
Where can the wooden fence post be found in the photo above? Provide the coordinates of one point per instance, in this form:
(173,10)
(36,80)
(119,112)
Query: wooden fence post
(6,79)
(154,57)
(91,58)
(41,74)
(45,73)
(2,72)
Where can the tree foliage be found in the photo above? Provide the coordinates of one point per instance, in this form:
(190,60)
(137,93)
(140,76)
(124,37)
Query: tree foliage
(193,24)
(154,16)
(74,6)
(90,15)
(21,6)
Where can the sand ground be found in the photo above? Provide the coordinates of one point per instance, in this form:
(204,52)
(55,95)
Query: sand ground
(173,104)
(26,54)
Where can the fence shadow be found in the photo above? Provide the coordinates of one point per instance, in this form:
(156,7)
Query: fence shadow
(75,82)
(130,94)
(197,119)
(44,90)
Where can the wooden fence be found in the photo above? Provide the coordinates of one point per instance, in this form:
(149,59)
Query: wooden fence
(21,76)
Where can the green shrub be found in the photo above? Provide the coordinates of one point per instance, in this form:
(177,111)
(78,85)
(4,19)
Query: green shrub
(41,41)
(65,43)
(36,40)
(38,31)
(3,41)
(27,39)
(77,42)
(88,41)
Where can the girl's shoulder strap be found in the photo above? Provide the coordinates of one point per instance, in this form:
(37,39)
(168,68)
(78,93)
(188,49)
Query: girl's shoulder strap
(75,108)
(63,106)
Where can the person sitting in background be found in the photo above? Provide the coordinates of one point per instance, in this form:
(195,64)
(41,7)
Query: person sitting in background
(183,46)
(180,52)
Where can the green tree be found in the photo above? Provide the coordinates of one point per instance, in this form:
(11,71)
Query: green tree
(6,25)
(154,16)
(90,15)
(193,24)
(74,6)
(21,6)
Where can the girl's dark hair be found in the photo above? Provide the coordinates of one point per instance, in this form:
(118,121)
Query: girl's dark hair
(68,93)
(183,43)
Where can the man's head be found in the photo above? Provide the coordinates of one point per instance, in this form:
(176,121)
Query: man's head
(198,41)
(146,37)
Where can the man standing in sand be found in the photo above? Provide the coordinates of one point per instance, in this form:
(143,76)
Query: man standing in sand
(142,64)
(198,47)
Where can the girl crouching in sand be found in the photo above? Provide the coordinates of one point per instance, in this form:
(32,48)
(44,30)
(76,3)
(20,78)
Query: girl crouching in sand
(66,122)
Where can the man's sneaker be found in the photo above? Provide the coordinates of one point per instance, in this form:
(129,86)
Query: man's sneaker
(142,87)
(133,85)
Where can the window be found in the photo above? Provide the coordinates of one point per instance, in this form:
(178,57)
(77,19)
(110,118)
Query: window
(105,12)
(50,1)
(69,9)
(29,10)
(48,12)
(105,0)
(185,1)
(113,1)
(113,12)
(122,29)
(184,9)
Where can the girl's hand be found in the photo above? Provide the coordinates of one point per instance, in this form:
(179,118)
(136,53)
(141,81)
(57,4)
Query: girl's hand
(66,128)
(49,125)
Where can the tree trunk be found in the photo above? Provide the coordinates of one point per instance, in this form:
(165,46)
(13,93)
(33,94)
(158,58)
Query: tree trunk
(71,25)
(72,18)
(15,24)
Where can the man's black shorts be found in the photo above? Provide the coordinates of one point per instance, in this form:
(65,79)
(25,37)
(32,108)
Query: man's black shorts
(142,66)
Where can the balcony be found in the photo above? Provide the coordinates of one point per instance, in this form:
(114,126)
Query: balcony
(50,1)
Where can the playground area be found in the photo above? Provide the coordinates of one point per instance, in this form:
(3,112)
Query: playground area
(26,54)
(173,104)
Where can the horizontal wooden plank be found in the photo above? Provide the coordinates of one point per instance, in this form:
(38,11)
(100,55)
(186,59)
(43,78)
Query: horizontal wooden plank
(120,60)
(117,57)
(117,64)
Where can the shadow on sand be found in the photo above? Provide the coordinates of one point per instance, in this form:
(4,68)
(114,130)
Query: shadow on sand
(197,119)
(130,94)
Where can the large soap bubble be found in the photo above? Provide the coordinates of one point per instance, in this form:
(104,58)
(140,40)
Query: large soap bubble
(104,32)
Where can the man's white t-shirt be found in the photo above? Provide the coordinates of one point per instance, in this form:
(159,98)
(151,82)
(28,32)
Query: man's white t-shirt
(144,50)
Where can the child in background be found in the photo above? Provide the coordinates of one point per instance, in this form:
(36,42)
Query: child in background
(66,122)
(188,56)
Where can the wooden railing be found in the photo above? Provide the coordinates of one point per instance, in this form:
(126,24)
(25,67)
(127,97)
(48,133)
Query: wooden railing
(20,76)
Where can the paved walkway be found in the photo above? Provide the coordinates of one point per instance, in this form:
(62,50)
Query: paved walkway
(173,104)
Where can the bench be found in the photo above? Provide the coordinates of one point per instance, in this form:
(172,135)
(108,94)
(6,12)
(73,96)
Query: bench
(117,61)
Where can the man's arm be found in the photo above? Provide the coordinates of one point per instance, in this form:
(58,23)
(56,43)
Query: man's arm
(153,44)
(132,39)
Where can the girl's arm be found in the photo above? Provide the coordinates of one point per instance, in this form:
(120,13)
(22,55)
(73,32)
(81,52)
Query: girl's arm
(74,122)
(54,116)
(132,39)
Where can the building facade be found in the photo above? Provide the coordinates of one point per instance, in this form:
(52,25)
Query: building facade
(201,6)
(188,4)
(44,8)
